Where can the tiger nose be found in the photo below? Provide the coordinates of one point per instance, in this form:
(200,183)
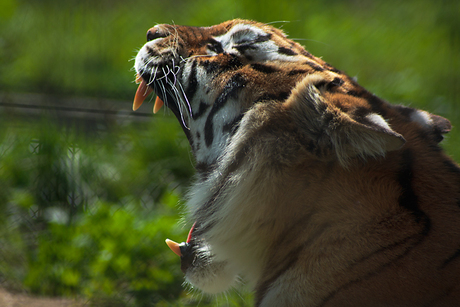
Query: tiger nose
(154,33)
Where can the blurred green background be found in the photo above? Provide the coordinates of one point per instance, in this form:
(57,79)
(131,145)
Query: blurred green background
(90,190)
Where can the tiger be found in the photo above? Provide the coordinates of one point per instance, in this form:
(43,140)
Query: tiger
(309,188)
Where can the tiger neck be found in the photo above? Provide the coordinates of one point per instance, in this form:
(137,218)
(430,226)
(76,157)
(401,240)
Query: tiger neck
(211,134)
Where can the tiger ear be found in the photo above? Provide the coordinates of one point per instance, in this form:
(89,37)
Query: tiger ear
(335,132)
(435,125)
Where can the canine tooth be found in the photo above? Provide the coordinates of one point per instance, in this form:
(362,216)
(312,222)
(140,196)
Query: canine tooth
(189,237)
(174,246)
(142,92)
(158,104)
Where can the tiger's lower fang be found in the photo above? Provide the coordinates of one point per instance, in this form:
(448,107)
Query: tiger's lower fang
(174,246)
(158,104)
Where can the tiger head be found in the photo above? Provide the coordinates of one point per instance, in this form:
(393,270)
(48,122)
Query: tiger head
(209,77)
(264,117)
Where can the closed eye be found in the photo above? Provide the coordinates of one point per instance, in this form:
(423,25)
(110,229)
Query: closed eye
(252,43)
(247,36)
(255,40)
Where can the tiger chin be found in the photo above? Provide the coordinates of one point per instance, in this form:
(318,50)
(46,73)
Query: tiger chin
(308,187)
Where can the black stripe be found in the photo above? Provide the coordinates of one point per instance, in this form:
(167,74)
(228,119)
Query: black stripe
(418,238)
(231,90)
(452,167)
(233,63)
(306,53)
(375,102)
(314,65)
(201,110)
(237,35)
(243,47)
(384,249)
(408,199)
(200,230)
(192,83)
(286,51)
(266,69)
(243,33)
(361,112)
(246,45)
(211,67)
(297,72)
(262,38)
(215,46)
(203,167)
(331,68)
(336,82)
(355,93)
(330,85)
(228,62)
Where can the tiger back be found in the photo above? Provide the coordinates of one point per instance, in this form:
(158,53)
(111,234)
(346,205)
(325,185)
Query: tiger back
(313,190)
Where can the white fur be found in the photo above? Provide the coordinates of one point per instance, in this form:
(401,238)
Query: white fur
(236,239)
(422,117)
(215,277)
(245,33)
(378,120)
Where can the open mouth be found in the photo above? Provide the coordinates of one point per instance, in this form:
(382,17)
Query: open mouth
(185,250)
(180,248)
(165,95)
(142,92)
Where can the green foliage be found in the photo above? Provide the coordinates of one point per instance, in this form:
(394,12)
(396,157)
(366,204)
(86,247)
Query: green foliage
(44,166)
(112,251)
(84,216)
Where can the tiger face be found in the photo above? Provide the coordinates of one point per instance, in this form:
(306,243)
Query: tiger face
(315,191)
(209,77)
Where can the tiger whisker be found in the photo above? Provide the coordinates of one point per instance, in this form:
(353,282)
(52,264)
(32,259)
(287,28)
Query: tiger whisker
(186,100)
(173,91)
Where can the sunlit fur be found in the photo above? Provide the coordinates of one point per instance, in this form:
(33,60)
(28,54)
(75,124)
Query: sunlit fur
(312,189)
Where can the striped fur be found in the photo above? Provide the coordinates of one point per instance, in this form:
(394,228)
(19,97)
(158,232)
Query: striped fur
(315,191)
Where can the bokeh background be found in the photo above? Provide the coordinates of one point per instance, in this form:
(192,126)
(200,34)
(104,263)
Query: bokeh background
(89,190)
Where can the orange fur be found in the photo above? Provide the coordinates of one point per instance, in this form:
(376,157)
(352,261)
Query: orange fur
(314,190)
